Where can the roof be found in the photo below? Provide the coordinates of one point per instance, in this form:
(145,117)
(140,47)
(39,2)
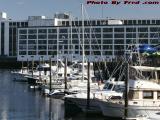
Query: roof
(146,68)
(143,85)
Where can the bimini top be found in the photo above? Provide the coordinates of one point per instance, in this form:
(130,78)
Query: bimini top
(146,68)
(143,85)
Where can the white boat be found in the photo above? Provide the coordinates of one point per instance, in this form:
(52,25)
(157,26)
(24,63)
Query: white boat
(144,99)
(111,88)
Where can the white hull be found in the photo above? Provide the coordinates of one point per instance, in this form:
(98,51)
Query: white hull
(117,110)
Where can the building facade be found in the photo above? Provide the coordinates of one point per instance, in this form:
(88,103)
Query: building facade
(103,39)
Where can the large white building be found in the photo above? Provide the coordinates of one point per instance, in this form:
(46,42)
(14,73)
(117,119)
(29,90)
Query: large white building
(104,39)
(107,39)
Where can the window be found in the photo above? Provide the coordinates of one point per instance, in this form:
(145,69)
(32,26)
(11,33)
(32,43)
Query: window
(32,37)
(42,31)
(119,35)
(107,35)
(31,52)
(147,94)
(22,52)
(52,30)
(63,30)
(42,36)
(22,42)
(32,31)
(107,29)
(130,29)
(154,29)
(50,36)
(52,41)
(133,94)
(42,42)
(23,31)
(42,52)
(32,41)
(23,37)
(131,35)
(158,94)
(144,29)
(119,29)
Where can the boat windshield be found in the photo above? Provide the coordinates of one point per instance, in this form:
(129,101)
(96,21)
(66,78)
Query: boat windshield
(118,88)
(108,86)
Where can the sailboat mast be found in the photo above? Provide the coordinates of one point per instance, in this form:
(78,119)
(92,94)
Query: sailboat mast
(126,90)
(82,12)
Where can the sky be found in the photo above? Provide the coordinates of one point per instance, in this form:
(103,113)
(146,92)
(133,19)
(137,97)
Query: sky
(21,9)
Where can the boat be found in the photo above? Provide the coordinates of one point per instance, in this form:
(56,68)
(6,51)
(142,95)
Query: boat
(111,88)
(143,96)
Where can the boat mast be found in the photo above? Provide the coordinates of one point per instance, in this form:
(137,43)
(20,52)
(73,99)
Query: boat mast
(50,75)
(82,12)
(126,90)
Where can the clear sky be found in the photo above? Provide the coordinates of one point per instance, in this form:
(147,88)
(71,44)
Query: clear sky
(21,9)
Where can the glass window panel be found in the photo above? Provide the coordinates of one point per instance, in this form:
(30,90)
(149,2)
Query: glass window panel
(42,41)
(42,36)
(52,30)
(147,94)
(22,36)
(42,31)
(23,31)
(32,31)
(32,37)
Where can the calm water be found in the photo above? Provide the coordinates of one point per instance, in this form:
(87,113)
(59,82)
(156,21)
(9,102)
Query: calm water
(18,102)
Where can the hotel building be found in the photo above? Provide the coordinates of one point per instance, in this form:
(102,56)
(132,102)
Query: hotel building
(104,39)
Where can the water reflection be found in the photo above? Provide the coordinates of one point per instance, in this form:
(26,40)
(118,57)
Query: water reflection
(18,102)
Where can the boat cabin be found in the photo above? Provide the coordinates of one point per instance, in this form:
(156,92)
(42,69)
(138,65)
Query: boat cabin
(144,93)
(145,72)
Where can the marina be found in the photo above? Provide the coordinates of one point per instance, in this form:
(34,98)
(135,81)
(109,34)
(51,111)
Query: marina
(68,68)
(19,102)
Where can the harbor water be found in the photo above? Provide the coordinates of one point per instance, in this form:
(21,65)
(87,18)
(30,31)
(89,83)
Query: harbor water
(19,102)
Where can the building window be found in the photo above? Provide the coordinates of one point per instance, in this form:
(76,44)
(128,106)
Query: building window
(22,42)
(32,31)
(154,29)
(131,35)
(107,29)
(130,29)
(63,30)
(22,36)
(32,37)
(50,36)
(119,35)
(42,41)
(22,52)
(23,31)
(31,52)
(32,41)
(52,30)
(107,36)
(144,29)
(119,29)
(42,47)
(42,36)
(147,94)
(52,41)
(42,31)
(42,53)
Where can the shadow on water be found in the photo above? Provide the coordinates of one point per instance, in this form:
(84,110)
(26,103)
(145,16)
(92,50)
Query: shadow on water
(18,102)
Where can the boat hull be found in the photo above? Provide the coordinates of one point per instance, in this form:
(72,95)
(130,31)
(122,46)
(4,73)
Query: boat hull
(117,110)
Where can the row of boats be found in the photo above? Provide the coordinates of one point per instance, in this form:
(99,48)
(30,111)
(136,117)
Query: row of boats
(138,98)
